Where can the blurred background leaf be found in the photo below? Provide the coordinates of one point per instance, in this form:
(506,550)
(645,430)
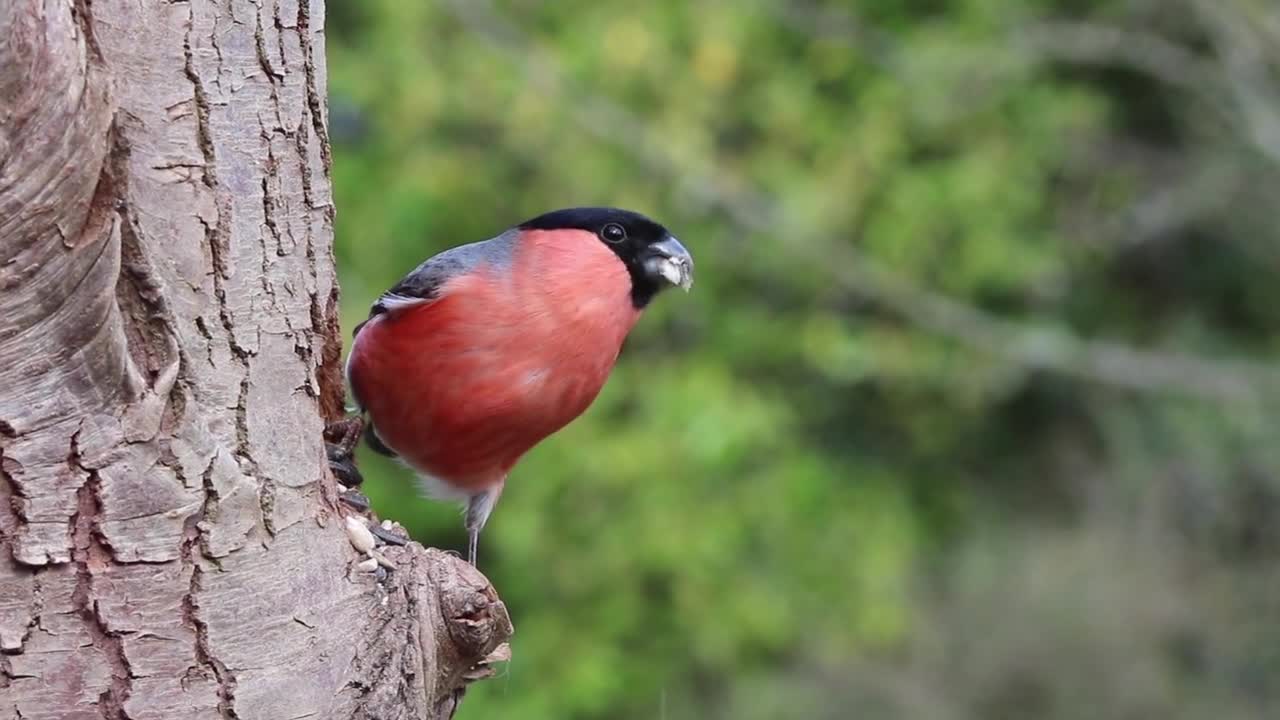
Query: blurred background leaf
(971,412)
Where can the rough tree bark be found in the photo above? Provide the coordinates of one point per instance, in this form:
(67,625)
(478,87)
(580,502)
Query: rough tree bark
(170,543)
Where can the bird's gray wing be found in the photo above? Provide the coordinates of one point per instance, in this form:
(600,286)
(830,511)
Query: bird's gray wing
(426,282)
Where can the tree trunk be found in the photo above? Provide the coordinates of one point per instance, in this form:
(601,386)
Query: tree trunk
(170,541)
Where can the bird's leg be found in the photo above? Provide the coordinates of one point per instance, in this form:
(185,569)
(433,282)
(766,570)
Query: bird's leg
(476,516)
(478,508)
(341,438)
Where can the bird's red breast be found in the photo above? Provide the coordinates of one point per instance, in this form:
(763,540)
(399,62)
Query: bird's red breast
(509,352)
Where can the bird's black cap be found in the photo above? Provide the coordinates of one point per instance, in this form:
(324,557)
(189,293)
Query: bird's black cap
(628,234)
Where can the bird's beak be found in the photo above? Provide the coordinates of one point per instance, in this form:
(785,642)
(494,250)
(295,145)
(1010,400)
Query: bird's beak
(669,261)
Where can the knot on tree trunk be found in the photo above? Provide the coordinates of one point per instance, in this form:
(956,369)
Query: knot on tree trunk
(437,626)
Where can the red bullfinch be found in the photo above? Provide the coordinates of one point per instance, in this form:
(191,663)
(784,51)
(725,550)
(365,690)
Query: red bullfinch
(486,349)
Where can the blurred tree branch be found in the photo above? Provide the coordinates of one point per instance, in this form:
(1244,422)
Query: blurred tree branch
(1026,344)
(1233,83)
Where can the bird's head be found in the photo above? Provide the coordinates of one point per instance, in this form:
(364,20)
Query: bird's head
(654,258)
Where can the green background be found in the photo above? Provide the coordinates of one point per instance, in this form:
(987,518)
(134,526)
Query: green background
(971,411)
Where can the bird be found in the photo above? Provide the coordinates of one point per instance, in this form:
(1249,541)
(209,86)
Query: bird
(486,349)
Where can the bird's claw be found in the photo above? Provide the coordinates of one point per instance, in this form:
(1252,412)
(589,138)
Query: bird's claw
(341,438)
(344,434)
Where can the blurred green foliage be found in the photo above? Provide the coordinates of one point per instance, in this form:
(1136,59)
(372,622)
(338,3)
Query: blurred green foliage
(809,490)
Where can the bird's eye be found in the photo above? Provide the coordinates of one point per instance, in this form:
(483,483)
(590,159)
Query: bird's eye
(613,232)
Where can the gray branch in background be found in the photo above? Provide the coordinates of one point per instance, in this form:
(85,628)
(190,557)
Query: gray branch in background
(1236,83)
(1026,344)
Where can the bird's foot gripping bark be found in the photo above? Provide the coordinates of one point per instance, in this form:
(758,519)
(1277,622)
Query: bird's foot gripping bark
(341,438)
